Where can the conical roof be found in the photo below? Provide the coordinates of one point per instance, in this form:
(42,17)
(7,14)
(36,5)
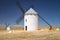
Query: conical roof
(31,11)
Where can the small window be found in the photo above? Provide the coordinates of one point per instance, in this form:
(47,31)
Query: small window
(26,20)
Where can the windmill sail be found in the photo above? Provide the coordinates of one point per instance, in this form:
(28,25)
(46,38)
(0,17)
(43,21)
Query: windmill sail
(20,7)
(22,16)
(46,22)
(19,19)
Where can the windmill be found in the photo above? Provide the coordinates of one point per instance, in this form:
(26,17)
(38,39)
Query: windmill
(23,13)
(7,26)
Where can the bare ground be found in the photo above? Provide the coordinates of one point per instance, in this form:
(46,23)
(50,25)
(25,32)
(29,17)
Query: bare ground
(30,35)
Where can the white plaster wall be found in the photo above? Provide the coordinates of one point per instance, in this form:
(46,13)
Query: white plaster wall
(8,28)
(32,22)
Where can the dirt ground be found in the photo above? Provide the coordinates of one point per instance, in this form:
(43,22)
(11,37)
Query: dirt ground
(30,35)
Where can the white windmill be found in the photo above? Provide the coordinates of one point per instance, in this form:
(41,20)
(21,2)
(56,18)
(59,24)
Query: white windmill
(8,27)
(30,19)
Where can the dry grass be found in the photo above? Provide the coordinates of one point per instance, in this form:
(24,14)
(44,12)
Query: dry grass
(30,35)
(35,35)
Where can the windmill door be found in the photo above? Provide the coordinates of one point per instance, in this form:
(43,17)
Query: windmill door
(25,27)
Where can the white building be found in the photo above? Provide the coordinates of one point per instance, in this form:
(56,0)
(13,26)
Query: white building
(31,20)
(9,28)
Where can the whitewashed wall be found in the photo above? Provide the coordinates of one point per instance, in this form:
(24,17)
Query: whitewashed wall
(31,23)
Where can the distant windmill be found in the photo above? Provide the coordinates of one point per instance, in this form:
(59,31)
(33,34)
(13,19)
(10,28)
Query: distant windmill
(8,27)
(23,13)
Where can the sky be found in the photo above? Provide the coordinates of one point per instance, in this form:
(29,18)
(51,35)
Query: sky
(48,9)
